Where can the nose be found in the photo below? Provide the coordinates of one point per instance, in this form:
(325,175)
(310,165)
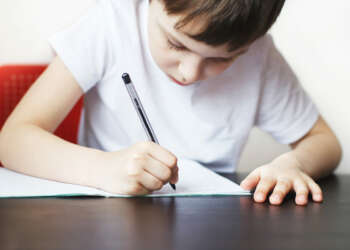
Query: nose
(190,69)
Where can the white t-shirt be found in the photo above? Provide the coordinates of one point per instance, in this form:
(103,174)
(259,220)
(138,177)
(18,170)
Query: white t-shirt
(208,122)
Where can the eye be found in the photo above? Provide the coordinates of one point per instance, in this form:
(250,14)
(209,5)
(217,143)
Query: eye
(174,46)
(223,60)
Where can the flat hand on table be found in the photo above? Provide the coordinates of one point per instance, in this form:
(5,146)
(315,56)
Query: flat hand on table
(282,176)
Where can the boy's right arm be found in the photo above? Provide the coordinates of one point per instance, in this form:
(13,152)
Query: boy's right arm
(27,144)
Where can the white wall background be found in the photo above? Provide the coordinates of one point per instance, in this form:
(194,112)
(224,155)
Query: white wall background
(314,36)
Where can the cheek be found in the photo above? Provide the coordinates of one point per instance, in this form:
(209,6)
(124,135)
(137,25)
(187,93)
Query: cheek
(165,57)
(213,69)
(161,53)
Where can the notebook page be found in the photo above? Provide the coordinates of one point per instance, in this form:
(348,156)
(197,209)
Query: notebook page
(194,180)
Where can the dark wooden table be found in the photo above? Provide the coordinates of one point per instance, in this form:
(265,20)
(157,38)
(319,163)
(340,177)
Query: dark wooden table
(178,223)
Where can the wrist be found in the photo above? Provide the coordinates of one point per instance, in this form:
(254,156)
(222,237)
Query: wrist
(291,159)
(92,173)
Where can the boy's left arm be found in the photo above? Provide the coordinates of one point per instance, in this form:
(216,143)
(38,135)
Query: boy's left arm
(314,156)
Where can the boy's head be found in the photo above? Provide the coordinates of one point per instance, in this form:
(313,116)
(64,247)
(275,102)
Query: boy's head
(194,40)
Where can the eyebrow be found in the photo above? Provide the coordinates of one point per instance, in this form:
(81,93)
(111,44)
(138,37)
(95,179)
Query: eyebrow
(184,47)
(173,38)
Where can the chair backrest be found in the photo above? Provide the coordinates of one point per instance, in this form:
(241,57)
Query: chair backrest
(15,80)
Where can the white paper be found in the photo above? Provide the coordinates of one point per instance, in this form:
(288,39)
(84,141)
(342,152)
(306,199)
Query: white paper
(194,180)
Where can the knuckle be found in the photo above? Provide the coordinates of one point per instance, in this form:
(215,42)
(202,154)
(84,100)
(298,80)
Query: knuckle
(253,174)
(157,184)
(258,170)
(148,144)
(300,185)
(302,190)
(279,192)
(318,189)
(262,188)
(172,160)
(138,159)
(135,170)
(134,188)
(315,186)
(143,146)
(267,181)
(166,174)
(285,183)
(138,145)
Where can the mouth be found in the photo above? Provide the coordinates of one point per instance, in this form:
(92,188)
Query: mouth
(174,80)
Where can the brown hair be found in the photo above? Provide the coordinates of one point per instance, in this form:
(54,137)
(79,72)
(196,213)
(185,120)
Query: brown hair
(235,22)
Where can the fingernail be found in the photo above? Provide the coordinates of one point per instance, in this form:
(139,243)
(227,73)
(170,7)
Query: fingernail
(259,196)
(302,199)
(317,197)
(275,198)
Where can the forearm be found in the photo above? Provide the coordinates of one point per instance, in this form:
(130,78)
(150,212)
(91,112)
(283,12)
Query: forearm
(33,151)
(318,154)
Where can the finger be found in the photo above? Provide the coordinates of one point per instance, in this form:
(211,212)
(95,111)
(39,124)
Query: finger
(251,180)
(159,153)
(263,188)
(301,191)
(281,189)
(175,175)
(149,182)
(315,189)
(158,169)
(135,189)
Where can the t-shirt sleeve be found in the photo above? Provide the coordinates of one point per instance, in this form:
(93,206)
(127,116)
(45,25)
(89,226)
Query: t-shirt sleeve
(83,47)
(286,112)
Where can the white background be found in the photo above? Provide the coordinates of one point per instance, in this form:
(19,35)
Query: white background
(313,35)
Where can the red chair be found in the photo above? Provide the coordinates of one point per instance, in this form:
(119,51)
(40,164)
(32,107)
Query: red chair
(15,80)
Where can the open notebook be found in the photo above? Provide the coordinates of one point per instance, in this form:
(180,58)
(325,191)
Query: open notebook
(194,180)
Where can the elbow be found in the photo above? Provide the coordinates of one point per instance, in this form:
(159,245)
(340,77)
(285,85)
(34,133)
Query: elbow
(339,154)
(6,138)
(3,147)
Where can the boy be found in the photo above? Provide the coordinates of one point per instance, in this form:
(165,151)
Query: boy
(206,74)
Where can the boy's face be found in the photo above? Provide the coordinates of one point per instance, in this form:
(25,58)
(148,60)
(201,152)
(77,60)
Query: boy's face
(182,58)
